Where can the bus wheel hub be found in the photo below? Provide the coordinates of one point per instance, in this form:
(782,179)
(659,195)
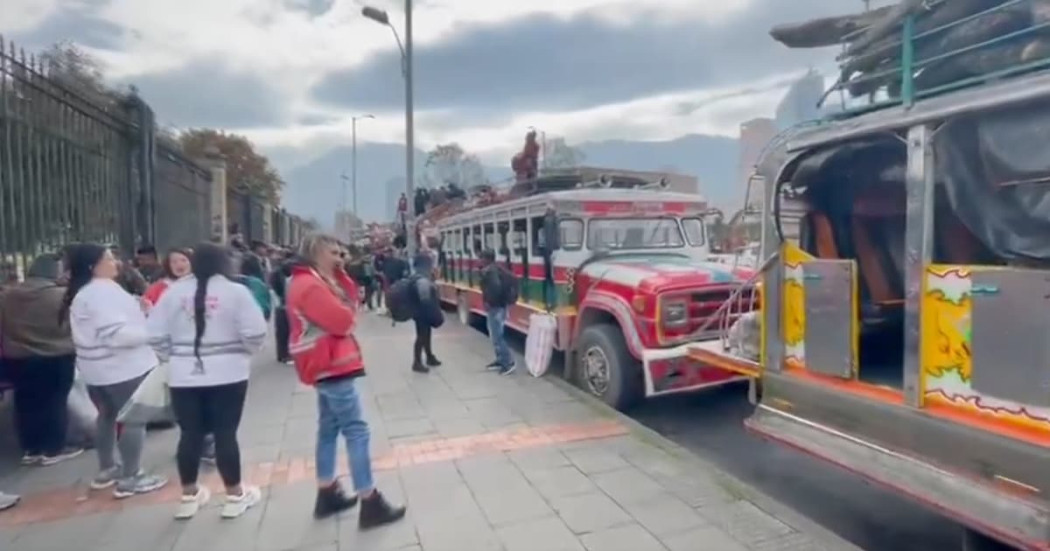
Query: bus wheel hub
(596,370)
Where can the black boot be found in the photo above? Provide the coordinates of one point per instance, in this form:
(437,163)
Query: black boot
(418,367)
(377,511)
(332,500)
(432,361)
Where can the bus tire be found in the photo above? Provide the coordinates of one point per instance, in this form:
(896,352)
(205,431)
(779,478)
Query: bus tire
(973,540)
(606,369)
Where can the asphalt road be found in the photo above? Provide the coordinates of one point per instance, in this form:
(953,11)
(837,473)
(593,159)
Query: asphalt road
(711,425)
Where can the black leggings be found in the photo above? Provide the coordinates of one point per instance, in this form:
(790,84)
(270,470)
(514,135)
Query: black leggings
(422,345)
(215,410)
(42,387)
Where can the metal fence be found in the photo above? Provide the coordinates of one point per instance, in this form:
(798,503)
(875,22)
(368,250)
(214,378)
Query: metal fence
(183,200)
(75,166)
(66,164)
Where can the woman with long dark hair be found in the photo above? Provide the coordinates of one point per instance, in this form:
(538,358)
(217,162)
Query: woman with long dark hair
(208,327)
(109,334)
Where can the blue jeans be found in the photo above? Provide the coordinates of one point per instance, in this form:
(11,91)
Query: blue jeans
(497,322)
(339,411)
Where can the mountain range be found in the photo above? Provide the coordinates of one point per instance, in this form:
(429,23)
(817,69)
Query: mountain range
(315,189)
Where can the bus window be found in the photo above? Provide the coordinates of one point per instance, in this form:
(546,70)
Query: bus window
(571,231)
(694,231)
(634,233)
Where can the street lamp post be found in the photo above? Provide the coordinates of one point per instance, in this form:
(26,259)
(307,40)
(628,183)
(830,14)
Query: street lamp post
(381,17)
(353,158)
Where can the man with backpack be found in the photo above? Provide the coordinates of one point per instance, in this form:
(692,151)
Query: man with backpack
(499,290)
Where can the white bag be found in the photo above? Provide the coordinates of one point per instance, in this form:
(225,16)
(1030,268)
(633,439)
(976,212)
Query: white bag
(539,344)
(151,401)
(82,414)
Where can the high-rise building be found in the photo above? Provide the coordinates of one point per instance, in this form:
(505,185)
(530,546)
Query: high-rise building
(755,134)
(800,102)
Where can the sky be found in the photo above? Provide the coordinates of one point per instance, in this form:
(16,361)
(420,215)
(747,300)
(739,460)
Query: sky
(290,74)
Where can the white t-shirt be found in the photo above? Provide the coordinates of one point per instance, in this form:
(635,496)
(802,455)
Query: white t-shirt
(109,332)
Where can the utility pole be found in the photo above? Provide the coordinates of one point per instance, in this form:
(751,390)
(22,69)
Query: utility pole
(410,138)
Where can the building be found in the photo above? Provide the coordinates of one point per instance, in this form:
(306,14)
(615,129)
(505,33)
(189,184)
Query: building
(800,102)
(346,224)
(755,134)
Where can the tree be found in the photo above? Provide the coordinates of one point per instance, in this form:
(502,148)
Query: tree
(247,170)
(448,163)
(558,154)
(76,70)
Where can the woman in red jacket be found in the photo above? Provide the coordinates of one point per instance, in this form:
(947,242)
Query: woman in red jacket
(322,309)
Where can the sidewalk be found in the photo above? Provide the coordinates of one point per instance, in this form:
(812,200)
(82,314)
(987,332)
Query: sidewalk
(484,462)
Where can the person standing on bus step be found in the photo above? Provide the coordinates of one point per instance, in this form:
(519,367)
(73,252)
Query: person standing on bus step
(427,315)
(208,327)
(114,357)
(497,292)
(322,308)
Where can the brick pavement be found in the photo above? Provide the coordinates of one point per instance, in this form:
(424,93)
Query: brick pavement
(484,463)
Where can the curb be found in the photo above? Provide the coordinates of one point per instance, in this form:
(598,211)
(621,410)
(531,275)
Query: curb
(783,513)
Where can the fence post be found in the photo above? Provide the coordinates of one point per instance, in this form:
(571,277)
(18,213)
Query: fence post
(216,164)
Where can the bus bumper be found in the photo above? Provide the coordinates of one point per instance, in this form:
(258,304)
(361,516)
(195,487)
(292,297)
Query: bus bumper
(993,511)
(671,370)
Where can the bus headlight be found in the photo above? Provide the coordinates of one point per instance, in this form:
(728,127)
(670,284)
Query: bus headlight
(674,313)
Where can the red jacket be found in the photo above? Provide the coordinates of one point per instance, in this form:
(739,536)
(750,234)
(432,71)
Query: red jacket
(321,325)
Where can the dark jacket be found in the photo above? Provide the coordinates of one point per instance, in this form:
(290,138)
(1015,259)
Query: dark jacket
(279,280)
(427,307)
(29,321)
(394,269)
(493,288)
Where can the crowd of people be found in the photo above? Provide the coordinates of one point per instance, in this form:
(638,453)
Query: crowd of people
(195,317)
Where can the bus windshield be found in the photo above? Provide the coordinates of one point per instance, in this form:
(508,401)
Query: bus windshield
(633,233)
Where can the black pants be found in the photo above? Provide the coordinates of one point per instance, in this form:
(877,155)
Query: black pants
(282,333)
(203,410)
(423,334)
(42,387)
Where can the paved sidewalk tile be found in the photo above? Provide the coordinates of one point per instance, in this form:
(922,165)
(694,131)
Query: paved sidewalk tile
(483,462)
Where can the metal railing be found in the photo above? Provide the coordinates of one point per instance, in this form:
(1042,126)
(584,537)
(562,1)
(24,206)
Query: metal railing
(947,46)
(78,163)
(67,163)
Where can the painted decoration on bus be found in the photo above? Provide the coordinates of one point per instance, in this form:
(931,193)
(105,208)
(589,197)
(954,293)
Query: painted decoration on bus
(662,271)
(946,353)
(794,322)
(610,208)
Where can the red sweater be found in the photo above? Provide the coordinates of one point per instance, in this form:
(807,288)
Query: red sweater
(321,326)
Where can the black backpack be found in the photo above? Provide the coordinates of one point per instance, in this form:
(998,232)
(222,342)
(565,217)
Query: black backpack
(401,299)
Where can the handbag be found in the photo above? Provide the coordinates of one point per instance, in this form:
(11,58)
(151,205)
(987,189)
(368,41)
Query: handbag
(151,401)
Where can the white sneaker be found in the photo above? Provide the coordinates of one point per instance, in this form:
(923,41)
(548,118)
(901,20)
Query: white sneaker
(237,505)
(189,505)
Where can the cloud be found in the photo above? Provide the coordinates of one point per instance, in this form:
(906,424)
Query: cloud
(36,24)
(211,93)
(543,61)
(315,8)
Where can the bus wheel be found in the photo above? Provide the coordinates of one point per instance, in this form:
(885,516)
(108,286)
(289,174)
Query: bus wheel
(976,541)
(606,369)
